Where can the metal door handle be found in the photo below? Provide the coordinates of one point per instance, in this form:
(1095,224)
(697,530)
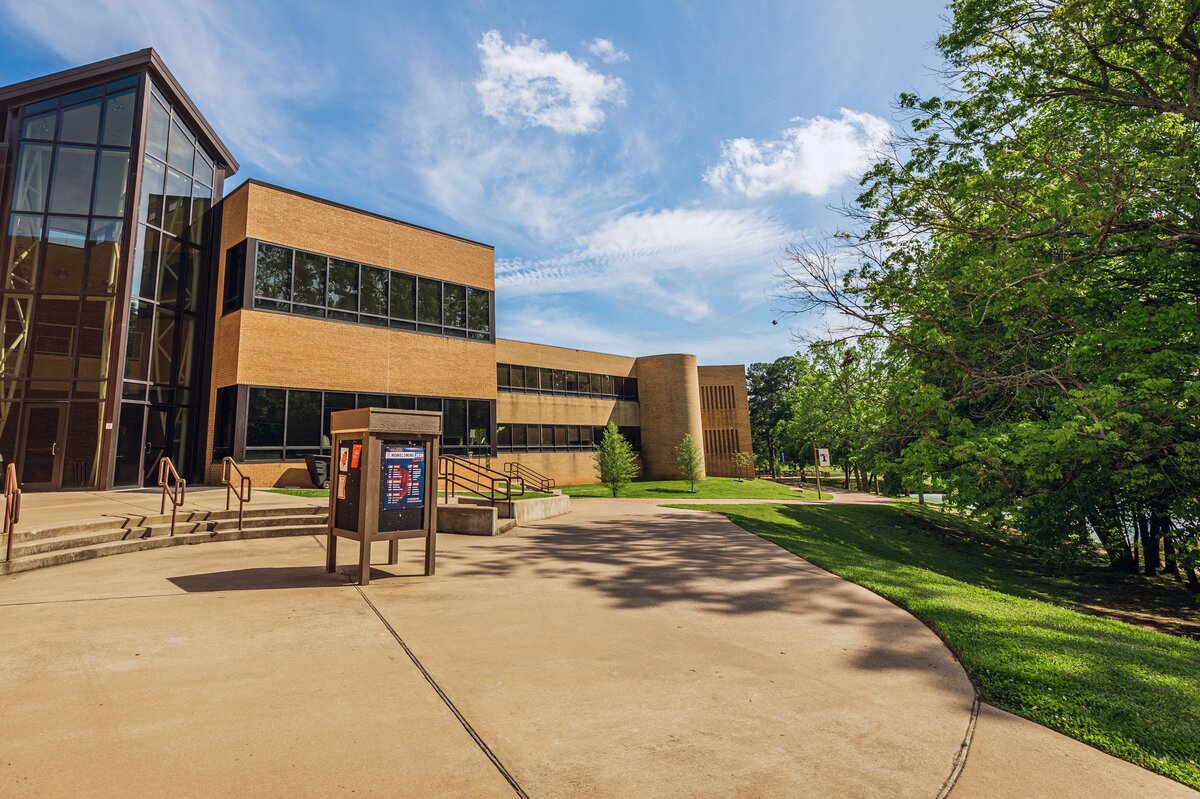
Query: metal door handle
(54,448)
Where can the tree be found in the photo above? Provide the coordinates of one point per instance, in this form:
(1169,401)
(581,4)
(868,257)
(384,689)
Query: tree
(1031,247)
(768,384)
(616,465)
(690,461)
(743,463)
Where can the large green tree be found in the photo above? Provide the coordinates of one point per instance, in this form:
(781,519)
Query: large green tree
(1032,247)
(768,384)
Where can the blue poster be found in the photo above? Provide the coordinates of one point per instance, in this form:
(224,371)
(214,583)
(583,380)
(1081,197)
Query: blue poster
(403,477)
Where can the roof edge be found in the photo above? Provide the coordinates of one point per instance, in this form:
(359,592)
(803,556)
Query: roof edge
(325,201)
(146,58)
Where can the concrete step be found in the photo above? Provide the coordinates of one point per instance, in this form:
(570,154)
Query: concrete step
(251,522)
(74,554)
(36,546)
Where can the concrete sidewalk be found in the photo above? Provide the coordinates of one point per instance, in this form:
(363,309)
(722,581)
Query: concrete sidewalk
(622,650)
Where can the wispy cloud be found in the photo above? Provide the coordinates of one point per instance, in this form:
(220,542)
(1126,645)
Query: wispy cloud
(679,261)
(606,51)
(813,157)
(525,83)
(243,74)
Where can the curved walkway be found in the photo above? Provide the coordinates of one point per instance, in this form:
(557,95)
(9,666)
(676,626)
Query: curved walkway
(622,650)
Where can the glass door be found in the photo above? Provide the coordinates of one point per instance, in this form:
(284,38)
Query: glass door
(158,443)
(42,460)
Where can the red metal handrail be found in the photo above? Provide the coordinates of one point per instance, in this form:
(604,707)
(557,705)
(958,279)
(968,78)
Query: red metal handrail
(12,508)
(526,475)
(242,492)
(177,492)
(456,472)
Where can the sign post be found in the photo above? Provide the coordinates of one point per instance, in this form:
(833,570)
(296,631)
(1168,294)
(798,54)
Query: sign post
(384,482)
(820,458)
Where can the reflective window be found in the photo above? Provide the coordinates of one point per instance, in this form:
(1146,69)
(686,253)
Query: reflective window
(118,119)
(71,191)
(304,419)
(373,298)
(343,290)
(66,239)
(548,438)
(24,249)
(531,379)
(81,123)
(309,281)
(111,183)
(264,417)
(309,284)
(273,273)
(287,424)
(455,299)
(33,177)
(429,301)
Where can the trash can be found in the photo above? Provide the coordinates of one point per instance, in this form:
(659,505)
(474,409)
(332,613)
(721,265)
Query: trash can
(318,469)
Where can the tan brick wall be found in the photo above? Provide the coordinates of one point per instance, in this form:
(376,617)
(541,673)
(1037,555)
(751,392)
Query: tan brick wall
(669,396)
(299,352)
(726,429)
(525,353)
(284,218)
(272,349)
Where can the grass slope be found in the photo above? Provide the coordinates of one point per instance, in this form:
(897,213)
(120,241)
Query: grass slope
(1129,691)
(710,488)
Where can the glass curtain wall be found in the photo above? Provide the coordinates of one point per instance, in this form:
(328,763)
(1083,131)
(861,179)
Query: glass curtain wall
(65,230)
(160,389)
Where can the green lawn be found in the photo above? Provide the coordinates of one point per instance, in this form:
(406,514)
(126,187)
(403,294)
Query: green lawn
(711,488)
(1129,691)
(324,493)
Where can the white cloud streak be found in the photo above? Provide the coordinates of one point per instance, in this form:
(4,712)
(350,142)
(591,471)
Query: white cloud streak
(526,84)
(679,261)
(813,157)
(606,51)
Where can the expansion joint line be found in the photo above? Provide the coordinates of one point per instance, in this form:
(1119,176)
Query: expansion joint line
(960,758)
(466,725)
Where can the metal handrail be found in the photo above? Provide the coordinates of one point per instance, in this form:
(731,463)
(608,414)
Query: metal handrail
(456,472)
(177,492)
(526,475)
(228,466)
(12,507)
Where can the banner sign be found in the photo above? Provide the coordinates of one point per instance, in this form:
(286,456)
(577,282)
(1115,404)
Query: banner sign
(823,458)
(403,478)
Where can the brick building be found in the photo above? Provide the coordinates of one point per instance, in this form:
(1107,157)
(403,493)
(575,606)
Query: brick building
(145,313)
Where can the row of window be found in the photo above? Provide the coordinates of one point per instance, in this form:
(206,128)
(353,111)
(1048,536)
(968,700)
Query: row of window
(288,424)
(307,284)
(551,437)
(539,380)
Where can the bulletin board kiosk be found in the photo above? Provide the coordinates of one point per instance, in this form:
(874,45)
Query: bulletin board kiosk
(383,482)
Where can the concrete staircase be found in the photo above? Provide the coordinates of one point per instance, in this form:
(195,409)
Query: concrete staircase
(115,535)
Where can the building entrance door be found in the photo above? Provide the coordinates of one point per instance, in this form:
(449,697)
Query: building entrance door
(158,443)
(42,458)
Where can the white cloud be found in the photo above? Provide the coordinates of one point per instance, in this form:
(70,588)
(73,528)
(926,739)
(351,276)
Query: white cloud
(524,83)
(606,51)
(239,70)
(504,183)
(812,158)
(680,261)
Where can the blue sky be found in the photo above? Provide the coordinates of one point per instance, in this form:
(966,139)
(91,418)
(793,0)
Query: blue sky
(639,166)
